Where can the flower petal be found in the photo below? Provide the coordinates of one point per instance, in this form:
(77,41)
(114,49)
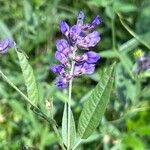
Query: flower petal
(61,83)
(74,33)
(64,28)
(5,44)
(61,57)
(63,46)
(84,69)
(97,21)
(57,69)
(88,68)
(89,41)
(92,57)
(80,18)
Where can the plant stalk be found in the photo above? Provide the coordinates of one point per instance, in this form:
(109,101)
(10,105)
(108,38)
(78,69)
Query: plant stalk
(113,34)
(69,102)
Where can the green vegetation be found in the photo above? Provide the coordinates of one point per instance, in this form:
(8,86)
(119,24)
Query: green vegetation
(33,24)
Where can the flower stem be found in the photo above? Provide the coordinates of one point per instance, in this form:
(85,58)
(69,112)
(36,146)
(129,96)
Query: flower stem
(113,34)
(69,103)
(35,109)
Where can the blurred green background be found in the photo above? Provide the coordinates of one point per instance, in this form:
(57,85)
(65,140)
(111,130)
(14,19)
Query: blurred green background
(34,26)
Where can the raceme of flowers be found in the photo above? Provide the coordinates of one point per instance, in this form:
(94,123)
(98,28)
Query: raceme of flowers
(5,45)
(73,62)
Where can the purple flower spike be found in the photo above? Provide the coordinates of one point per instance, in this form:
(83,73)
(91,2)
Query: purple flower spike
(84,69)
(5,45)
(90,57)
(89,41)
(57,69)
(64,28)
(63,46)
(79,36)
(61,83)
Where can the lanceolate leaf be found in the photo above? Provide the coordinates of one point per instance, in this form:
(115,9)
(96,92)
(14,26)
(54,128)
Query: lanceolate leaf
(29,78)
(95,106)
(65,128)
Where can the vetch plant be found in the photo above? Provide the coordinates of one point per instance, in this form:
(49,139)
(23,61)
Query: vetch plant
(76,58)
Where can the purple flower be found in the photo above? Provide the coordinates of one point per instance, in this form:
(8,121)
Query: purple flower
(64,28)
(90,57)
(143,64)
(80,18)
(74,33)
(5,45)
(84,69)
(61,82)
(89,41)
(79,36)
(63,46)
(61,57)
(89,27)
(57,69)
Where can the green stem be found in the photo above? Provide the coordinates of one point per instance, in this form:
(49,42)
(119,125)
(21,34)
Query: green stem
(113,34)
(69,103)
(35,109)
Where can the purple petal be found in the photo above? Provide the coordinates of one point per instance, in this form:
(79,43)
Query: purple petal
(61,83)
(143,63)
(97,21)
(5,44)
(90,27)
(57,69)
(78,70)
(84,69)
(80,18)
(92,57)
(61,57)
(63,46)
(88,68)
(74,33)
(64,28)
(89,41)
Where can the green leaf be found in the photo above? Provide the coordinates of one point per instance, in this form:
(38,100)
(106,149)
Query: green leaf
(108,54)
(65,128)
(29,78)
(142,39)
(129,45)
(95,106)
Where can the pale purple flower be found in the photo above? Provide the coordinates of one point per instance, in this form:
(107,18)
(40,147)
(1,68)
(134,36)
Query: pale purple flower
(89,27)
(61,57)
(74,33)
(79,36)
(64,28)
(84,69)
(89,57)
(63,46)
(57,69)
(143,64)
(89,41)
(61,82)
(5,45)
